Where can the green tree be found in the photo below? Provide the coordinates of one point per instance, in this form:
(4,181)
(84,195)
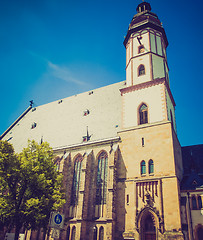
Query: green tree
(30,186)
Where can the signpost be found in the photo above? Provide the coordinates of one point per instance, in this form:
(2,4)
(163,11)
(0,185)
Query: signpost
(56,233)
(56,222)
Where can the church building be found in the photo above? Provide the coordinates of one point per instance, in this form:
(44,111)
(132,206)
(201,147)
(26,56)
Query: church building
(125,173)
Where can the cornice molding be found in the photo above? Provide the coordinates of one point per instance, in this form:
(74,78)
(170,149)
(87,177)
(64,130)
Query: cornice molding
(148,84)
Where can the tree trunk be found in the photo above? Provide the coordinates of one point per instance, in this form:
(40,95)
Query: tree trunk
(17,231)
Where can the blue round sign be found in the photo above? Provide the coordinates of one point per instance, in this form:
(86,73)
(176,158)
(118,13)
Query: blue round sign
(58,219)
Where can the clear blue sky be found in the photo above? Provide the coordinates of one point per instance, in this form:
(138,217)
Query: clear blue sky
(51,49)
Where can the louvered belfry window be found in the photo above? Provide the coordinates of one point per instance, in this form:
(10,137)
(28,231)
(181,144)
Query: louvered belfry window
(76,180)
(143,112)
(102,178)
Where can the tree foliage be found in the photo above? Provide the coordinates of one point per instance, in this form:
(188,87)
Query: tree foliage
(30,186)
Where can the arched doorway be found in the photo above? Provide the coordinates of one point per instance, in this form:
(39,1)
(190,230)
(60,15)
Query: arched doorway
(148,228)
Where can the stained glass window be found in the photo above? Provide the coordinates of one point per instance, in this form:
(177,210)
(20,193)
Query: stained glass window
(102,178)
(76,180)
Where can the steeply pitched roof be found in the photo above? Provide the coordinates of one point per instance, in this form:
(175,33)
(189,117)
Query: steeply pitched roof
(192,181)
(193,167)
(62,123)
(193,158)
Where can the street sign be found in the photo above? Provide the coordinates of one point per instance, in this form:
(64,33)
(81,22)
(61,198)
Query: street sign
(57,220)
(56,233)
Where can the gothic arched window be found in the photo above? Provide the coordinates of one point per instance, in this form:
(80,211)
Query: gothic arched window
(101,233)
(102,178)
(141,70)
(76,180)
(143,167)
(143,114)
(151,166)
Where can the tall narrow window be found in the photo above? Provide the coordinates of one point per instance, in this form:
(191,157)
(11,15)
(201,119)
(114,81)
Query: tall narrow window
(141,70)
(194,203)
(143,167)
(102,179)
(151,166)
(143,114)
(68,233)
(73,233)
(101,233)
(199,202)
(76,180)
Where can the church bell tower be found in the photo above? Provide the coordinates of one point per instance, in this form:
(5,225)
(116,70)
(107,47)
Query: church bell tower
(151,153)
(145,44)
(147,80)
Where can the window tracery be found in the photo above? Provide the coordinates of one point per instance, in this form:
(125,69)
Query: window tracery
(76,180)
(102,178)
(143,114)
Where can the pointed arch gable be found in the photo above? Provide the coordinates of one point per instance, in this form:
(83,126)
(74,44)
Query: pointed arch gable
(78,158)
(102,152)
(144,213)
(157,220)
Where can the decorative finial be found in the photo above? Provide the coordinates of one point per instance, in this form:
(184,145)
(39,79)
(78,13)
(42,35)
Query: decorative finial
(31,103)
